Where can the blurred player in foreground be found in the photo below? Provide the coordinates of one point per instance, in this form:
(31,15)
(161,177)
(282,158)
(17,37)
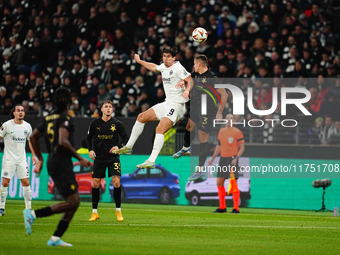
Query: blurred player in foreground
(58,130)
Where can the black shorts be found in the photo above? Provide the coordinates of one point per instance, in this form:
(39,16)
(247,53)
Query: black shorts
(225,167)
(203,122)
(65,182)
(99,168)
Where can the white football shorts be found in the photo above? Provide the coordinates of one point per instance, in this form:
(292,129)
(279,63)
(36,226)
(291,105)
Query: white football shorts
(173,111)
(9,169)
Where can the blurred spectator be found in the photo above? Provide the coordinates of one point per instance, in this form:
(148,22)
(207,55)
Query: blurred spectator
(69,43)
(92,110)
(335,137)
(84,98)
(315,101)
(103,95)
(328,130)
(315,132)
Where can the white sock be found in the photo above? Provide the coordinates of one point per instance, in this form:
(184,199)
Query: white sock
(94,210)
(55,238)
(33,214)
(157,146)
(28,196)
(186,148)
(118,209)
(137,130)
(3,196)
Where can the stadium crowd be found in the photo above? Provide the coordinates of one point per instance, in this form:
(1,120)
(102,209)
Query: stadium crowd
(88,46)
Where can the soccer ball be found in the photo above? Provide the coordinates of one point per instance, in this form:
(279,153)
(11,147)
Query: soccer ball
(199,35)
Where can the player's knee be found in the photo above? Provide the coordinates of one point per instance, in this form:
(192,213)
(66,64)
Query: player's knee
(220,183)
(5,182)
(96,183)
(74,204)
(140,117)
(202,136)
(160,130)
(25,182)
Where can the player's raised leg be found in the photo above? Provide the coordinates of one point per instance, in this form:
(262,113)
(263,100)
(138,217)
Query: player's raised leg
(137,130)
(164,125)
(188,137)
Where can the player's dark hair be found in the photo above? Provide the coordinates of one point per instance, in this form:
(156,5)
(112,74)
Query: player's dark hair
(62,99)
(13,110)
(171,50)
(106,102)
(203,59)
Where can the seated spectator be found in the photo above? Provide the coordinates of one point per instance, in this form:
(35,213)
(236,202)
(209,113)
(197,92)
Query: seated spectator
(119,100)
(315,101)
(92,111)
(264,96)
(103,95)
(328,130)
(315,132)
(335,137)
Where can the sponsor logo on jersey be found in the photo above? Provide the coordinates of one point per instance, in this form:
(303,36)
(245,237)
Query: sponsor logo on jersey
(18,139)
(113,128)
(105,136)
(230,139)
(25,132)
(171,72)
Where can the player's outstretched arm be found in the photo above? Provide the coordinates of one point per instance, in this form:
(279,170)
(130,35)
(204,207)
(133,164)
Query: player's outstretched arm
(65,142)
(147,65)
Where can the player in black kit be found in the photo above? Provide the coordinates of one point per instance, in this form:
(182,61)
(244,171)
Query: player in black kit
(58,129)
(202,77)
(103,137)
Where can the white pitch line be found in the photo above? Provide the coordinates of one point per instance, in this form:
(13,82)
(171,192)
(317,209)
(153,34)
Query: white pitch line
(185,226)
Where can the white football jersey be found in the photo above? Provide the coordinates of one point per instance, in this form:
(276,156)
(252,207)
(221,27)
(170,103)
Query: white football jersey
(15,136)
(171,76)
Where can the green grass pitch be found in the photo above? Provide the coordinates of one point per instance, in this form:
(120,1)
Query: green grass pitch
(157,229)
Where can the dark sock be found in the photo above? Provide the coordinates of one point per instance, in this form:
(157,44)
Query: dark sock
(188,137)
(117,193)
(95,198)
(62,227)
(203,153)
(43,212)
